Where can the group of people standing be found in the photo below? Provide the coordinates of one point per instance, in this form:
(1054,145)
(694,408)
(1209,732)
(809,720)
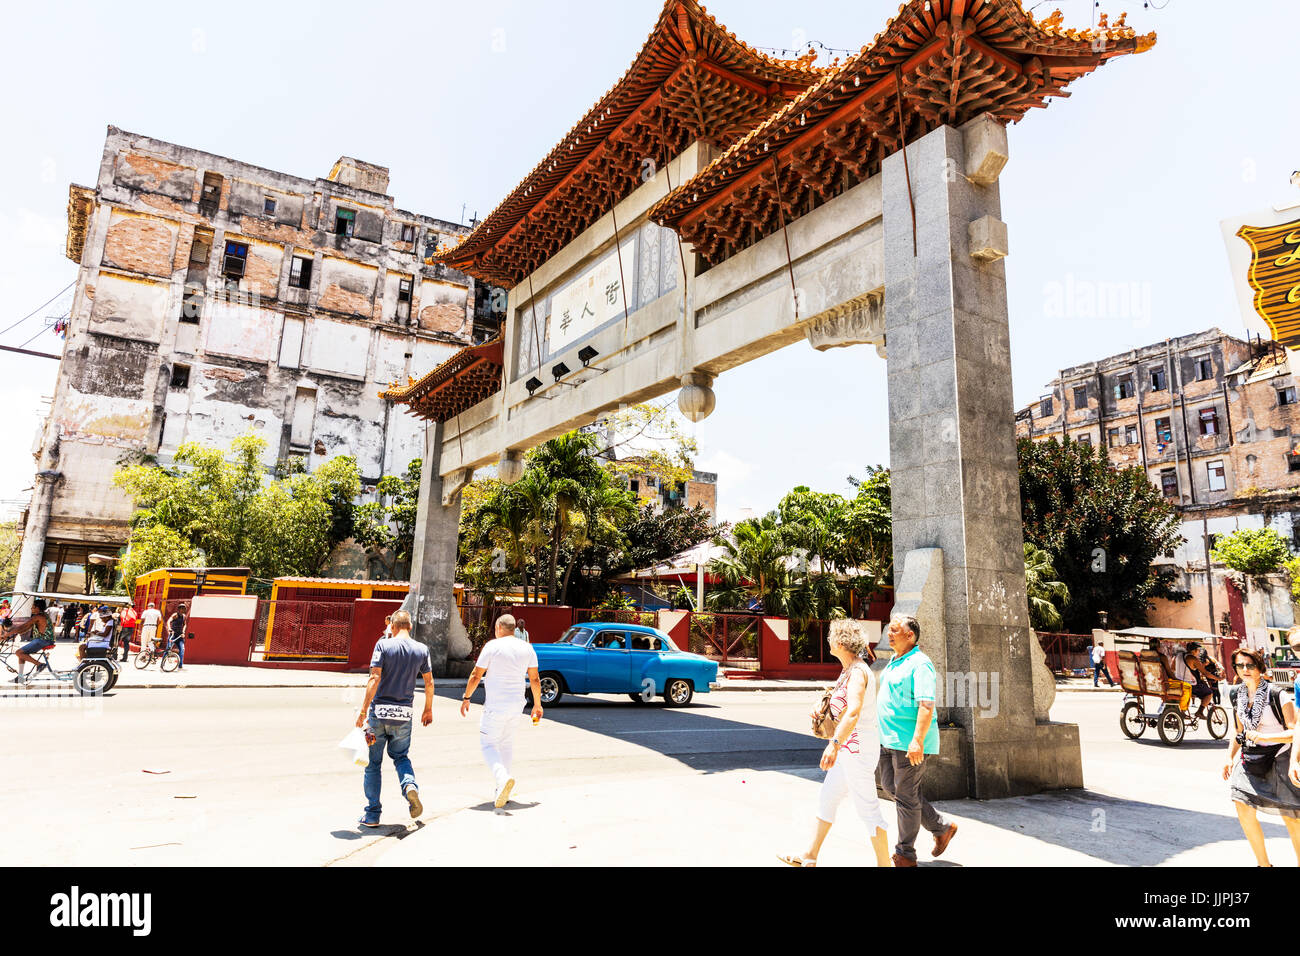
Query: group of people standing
(506,666)
(880,732)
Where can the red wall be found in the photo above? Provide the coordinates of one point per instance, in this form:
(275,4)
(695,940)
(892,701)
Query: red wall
(545,623)
(367,628)
(220,640)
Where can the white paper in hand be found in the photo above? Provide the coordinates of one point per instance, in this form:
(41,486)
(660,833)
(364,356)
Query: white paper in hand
(358,749)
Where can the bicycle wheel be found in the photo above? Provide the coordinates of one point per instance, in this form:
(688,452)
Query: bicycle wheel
(1218,722)
(93,679)
(171,660)
(143,660)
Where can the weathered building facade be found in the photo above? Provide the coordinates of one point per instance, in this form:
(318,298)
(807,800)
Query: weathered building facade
(215,298)
(1214,422)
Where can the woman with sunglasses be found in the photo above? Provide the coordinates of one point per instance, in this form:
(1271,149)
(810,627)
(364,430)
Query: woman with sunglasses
(1259,755)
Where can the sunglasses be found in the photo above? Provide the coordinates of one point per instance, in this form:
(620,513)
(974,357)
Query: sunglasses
(1245,665)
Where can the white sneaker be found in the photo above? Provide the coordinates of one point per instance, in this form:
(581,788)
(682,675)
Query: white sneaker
(503,795)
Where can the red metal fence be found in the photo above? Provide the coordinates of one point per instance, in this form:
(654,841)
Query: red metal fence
(1066,653)
(305,629)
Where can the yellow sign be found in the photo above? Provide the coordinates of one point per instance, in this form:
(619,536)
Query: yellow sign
(1275,276)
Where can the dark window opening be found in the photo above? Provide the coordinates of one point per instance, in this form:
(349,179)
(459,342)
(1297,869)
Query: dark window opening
(408,232)
(1169,482)
(1286,396)
(268,206)
(1085,439)
(1130,435)
(192,305)
(180,377)
(1045,407)
(1164,431)
(300,273)
(1204,369)
(1124,387)
(344,222)
(636,486)
(430,245)
(1292,461)
(1080,396)
(1112,437)
(1158,380)
(1209,421)
(210,197)
(404,299)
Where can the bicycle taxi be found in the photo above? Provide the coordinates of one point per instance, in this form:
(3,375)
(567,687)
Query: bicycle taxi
(1145,673)
(94,672)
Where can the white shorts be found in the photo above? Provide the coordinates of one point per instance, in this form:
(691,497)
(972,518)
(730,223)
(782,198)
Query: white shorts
(855,775)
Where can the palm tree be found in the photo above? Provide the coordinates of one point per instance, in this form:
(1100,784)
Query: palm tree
(753,565)
(1046,594)
(602,511)
(571,469)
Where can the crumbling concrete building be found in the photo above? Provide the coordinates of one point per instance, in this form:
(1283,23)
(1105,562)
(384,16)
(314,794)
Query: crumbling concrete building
(1214,421)
(215,298)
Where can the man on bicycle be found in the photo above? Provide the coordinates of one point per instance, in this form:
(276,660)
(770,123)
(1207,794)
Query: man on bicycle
(149,622)
(176,634)
(43,639)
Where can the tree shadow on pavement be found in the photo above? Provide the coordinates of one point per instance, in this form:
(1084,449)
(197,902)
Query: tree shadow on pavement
(696,735)
(1113,829)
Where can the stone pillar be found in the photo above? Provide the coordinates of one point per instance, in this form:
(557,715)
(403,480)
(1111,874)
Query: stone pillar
(953,455)
(38,522)
(431,601)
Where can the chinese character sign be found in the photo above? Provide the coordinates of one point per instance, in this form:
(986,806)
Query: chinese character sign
(591,300)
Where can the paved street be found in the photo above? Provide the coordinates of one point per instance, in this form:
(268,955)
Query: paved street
(254,776)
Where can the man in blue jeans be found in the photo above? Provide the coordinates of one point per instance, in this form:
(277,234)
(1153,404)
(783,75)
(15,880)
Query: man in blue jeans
(396,664)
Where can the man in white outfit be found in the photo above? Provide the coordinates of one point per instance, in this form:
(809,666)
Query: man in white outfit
(149,622)
(508,664)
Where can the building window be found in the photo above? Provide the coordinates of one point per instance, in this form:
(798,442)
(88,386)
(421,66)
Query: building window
(404,299)
(1080,396)
(344,221)
(1044,407)
(1286,396)
(1084,439)
(1209,421)
(1158,380)
(1218,479)
(192,304)
(1164,431)
(210,197)
(232,264)
(1204,369)
(268,206)
(1293,461)
(1130,434)
(180,377)
(1112,437)
(1124,387)
(300,273)
(1169,482)
(408,232)
(636,486)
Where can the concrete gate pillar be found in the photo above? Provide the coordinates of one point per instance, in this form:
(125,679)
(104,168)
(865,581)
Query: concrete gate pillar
(431,601)
(38,522)
(956,498)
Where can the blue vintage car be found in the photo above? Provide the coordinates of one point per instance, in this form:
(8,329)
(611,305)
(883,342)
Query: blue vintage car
(603,658)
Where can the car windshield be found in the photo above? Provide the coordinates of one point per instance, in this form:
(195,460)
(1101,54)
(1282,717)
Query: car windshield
(576,635)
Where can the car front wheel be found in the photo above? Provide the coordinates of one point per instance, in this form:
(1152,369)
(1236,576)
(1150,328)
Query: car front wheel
(678,692)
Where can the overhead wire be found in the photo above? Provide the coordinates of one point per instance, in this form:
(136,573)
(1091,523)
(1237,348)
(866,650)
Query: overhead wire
(39,307)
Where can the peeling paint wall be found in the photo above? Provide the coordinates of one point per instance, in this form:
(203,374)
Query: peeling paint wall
(173,340)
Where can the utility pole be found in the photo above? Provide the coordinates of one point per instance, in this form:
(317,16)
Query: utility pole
(1209,575)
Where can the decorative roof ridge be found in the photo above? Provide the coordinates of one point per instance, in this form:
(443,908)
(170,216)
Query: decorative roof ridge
(444,371)
(1024,23)
(797,70)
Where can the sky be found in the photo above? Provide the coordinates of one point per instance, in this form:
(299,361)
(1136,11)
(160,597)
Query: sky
(1123,183)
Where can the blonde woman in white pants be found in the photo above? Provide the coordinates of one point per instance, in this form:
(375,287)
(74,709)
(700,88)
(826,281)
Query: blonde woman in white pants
(504,665)
(850,756)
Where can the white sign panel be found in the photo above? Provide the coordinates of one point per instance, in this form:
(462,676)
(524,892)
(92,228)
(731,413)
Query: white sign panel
(591,300)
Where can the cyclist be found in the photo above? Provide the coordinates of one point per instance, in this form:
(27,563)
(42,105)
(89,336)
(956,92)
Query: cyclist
(149,622)
(43,639)
(176,634)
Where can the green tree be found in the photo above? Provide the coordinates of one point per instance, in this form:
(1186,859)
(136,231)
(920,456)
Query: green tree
(223,509)
(1255,552)
(1103,527)
(753,567)
(386,527)
(11,546)
(1046,595)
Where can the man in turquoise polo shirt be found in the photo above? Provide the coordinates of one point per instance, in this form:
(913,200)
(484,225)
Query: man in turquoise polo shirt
(908,731)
